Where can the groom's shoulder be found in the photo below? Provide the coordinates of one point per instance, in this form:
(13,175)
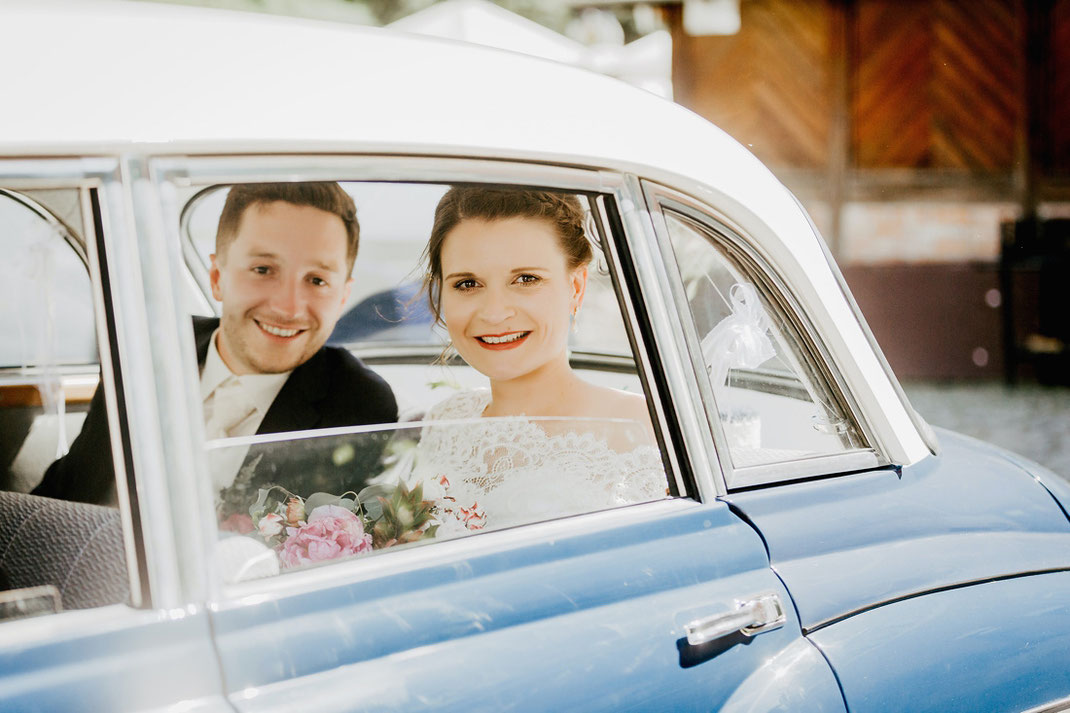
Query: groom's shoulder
(349,378)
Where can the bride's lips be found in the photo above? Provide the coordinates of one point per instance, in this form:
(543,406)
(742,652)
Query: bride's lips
(500,342)
(273,331)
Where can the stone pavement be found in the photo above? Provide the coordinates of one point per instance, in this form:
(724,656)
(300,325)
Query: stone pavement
(1029,419)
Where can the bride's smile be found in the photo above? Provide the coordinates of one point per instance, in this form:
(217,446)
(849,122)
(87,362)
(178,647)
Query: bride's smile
(498,342)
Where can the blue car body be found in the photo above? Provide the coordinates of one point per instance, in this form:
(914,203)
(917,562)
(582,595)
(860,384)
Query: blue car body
(888,573)
(938,587)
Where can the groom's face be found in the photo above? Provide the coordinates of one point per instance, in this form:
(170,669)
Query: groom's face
(283,281)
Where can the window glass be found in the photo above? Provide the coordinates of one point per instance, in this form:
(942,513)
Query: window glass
(46,314)
(524,404)
(340,495)
(774,405)
(55,554)
(46,327)
(384,306)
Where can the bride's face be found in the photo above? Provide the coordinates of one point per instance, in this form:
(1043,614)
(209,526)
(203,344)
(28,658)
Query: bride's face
(507,293)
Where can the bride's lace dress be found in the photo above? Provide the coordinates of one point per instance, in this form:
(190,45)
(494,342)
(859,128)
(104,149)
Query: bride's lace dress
(506,471)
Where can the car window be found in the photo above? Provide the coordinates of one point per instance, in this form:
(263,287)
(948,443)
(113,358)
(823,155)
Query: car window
(384,304)
(46,328)
(55,555)
(46,313)
(445,468)
(774,405)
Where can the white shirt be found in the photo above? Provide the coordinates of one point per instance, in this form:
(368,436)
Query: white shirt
(233,406)
(258,391)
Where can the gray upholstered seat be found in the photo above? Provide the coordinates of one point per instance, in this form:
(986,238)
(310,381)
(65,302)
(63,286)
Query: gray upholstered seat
(75,546)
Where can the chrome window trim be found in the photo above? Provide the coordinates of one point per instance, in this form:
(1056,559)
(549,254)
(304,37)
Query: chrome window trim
(100,174)
(611,249)
(667,328)
(74,375)
(687,337)
(173,176)
(659,197)
(189,171)
(178,509)
(846,462)
(1061,705)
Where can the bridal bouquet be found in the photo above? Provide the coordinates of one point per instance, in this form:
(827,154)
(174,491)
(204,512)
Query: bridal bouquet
(323,526)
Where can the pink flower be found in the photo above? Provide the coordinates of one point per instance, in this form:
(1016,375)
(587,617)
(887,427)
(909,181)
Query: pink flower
(331,532)
(270,525)
(237,522)
(473,517)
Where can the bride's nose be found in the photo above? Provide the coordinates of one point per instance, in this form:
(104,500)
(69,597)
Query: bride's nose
(496,308)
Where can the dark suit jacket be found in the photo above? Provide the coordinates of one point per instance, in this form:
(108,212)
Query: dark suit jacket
(331,389)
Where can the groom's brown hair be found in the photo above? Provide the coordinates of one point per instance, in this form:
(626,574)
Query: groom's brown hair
(326,196)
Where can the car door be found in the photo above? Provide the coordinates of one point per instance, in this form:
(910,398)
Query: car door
(586,612)
(87,622)
(923,583)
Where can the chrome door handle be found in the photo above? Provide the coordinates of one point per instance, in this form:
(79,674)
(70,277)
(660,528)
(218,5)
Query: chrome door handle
(753,615)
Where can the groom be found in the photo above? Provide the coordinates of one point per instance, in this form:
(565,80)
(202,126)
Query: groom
(284,254)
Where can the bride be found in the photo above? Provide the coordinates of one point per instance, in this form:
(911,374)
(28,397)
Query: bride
(506,274)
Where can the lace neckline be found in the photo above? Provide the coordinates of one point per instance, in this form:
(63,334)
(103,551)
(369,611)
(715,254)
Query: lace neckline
(469,406)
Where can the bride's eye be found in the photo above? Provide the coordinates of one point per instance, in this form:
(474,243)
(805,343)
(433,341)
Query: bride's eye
(528,279)
(465,284)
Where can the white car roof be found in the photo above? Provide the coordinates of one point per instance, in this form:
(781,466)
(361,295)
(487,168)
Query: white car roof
(113,77)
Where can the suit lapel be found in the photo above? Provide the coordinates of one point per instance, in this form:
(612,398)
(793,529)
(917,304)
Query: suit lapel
(203,329)
(296,408)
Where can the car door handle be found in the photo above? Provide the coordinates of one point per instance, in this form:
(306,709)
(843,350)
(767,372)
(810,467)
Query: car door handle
(750,616)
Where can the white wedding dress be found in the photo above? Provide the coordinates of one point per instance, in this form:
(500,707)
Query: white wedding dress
(498,472)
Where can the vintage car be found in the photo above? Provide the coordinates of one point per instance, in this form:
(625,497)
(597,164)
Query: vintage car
(817,548)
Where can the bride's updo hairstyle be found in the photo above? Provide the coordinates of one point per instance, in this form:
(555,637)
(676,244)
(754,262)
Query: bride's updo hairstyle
(460,203)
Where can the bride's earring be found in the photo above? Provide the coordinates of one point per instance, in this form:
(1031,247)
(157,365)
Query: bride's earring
(572,322)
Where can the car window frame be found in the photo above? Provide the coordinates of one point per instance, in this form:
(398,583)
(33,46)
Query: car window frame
(93,178)
(176,178)
(720,227)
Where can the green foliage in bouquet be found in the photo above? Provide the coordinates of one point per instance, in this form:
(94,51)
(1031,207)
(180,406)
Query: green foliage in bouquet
(403,518)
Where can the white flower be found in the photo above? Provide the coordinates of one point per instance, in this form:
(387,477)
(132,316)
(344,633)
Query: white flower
(435,488)
(451,527)
(270,525)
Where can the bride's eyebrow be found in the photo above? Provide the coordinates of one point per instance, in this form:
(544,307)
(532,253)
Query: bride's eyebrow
(455,275)
(529,269)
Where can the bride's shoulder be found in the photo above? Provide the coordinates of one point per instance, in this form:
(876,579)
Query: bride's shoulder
(615,406)
(468,403)
(605,402)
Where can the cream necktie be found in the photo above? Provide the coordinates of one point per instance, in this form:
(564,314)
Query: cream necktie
(226,408)
(229,407)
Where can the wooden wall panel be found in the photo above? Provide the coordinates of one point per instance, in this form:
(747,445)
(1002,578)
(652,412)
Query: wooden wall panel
(768,85)
(976,89)
(1058,124)
(891,113)
(935,84)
